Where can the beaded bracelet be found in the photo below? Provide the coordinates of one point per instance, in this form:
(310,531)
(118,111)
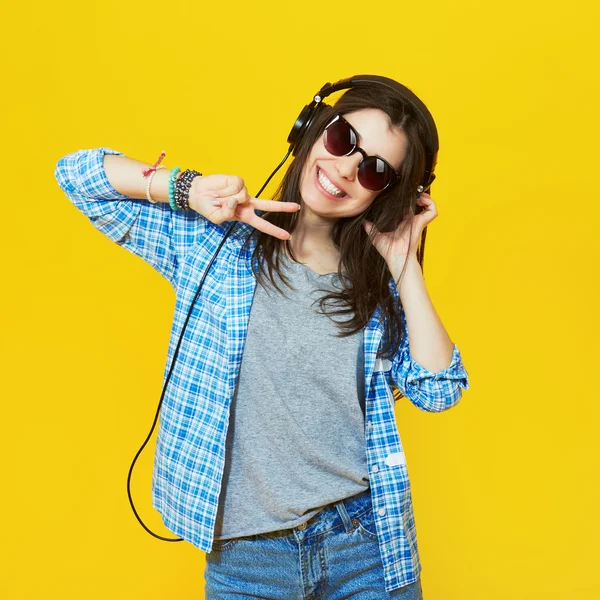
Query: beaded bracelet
(152,173)
(182,188)
(172,179)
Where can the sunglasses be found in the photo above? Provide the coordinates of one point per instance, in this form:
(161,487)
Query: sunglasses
(340,139)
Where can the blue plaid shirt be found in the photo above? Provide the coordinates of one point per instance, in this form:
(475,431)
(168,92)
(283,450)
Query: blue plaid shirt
(190,447)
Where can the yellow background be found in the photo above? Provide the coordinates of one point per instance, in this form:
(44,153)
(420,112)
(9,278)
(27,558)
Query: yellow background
(506,484)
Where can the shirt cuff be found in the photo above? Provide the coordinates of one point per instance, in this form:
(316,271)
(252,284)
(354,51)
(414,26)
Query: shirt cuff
(90,175)
(454,371)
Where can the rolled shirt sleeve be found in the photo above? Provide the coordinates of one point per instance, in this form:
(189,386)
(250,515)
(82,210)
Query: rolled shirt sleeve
(154,232)
(431,392)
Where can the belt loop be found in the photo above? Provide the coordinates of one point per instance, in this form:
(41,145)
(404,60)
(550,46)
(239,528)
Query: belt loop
(341,507)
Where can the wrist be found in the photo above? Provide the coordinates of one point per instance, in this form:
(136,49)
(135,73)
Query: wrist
(412,267)
(411,279)
(159,190)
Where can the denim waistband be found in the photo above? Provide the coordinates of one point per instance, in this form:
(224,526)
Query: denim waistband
(339,513)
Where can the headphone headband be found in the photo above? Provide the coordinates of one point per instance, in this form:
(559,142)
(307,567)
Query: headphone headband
(307,116)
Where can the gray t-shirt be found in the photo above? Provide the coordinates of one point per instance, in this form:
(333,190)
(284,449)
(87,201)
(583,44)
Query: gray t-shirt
(295,440)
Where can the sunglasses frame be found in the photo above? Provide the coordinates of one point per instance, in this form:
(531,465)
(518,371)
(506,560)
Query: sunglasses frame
(357,148)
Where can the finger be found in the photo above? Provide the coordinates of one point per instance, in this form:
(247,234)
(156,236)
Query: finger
(230,204)
(431,206)
(267,227)
(242,197)
(216,202)
(235,187)
(229,207)
(274,205)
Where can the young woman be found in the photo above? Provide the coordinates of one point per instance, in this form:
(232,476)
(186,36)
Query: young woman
(278,452)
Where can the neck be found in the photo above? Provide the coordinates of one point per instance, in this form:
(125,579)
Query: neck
(313,233)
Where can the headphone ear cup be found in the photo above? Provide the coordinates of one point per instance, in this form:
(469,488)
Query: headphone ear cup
(299,126)
(302,124)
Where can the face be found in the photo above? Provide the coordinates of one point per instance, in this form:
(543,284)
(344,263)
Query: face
(375,138)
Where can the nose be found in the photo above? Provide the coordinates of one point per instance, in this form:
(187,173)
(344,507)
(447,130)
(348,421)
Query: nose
(347,165)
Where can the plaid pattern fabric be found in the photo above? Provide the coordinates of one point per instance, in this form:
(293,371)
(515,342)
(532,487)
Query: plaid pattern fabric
(190,448)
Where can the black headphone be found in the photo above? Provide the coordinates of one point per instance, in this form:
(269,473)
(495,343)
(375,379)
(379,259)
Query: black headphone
(303,124)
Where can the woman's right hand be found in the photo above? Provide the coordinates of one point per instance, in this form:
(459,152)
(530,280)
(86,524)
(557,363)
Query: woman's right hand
(221,189)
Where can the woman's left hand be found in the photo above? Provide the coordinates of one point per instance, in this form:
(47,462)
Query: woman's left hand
(397,245)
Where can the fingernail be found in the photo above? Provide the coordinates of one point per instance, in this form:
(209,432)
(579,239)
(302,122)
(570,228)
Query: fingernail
(215,194)
(231,202)
(299,206)
(290,237)
(216,203)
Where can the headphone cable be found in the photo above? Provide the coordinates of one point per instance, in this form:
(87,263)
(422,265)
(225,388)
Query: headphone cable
(231,227)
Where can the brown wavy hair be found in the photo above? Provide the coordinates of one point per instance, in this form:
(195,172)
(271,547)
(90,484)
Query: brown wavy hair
(366,270)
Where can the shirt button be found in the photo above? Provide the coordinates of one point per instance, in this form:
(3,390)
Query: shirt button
(381,511)
(375,469)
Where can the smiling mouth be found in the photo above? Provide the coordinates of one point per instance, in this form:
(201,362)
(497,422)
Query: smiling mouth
(324,191)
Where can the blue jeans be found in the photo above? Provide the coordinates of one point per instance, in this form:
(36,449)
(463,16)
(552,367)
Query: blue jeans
(333,556)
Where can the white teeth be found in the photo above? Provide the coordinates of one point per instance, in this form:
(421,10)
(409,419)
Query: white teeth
(332,189)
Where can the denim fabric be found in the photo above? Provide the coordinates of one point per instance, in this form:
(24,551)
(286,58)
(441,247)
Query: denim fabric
(334,555)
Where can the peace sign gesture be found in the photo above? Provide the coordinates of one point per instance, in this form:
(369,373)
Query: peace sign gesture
(221,198)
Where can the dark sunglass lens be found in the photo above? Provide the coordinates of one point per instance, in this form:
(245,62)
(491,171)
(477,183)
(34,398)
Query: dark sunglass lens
(374,174)
(339,139)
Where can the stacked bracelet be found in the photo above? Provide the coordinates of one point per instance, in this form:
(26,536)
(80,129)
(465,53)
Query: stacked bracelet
(172,179)
(152,172)
(179,184)
(182,188)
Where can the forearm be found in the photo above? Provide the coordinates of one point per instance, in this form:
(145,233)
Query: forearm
(126,176)
(430,344)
